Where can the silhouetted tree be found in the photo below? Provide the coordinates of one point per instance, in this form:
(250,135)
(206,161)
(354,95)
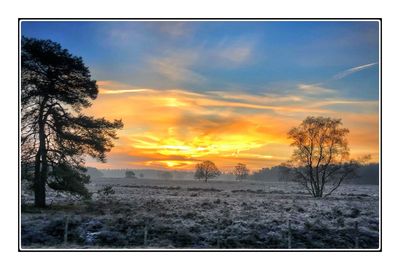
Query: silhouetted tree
(320,160)
(206,170)
(55,135)
(240,171)
(130,174)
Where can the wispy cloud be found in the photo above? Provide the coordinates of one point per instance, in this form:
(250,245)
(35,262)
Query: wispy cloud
(318,88)
(171,54)
(176,67)
(350,71)
(112,85)
(122,34)
(315,89)
(233,53)
(122,91)
(175,128)
(183,65)
(175,29)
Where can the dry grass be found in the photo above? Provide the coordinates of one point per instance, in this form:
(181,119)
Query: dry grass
(190,214)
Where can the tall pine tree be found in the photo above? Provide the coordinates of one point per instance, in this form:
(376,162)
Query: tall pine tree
(55,135)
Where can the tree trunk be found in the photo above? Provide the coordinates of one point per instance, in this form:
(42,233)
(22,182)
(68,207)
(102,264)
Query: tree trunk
(41,171)
(39,200)
(41,166)
(40,182)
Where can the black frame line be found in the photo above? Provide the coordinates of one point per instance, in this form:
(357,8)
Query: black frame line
(201,19)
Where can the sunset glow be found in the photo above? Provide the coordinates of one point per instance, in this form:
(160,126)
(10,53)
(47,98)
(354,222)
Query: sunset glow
(177,128)
(207,92)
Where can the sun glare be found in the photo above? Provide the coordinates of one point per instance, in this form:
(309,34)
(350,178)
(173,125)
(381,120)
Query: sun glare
(174,129)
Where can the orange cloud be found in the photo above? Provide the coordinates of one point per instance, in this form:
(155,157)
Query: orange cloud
(175,129)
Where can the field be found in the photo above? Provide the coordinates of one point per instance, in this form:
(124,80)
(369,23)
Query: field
(154,214)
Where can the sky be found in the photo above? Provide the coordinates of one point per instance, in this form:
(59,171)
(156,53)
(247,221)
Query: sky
(225,91)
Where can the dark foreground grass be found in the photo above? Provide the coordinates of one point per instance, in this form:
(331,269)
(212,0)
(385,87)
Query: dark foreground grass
(174,218)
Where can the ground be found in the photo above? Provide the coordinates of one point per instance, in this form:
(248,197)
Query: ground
(154,214)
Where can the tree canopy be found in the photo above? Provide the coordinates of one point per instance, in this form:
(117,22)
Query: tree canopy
(55,135)
(241,171)
(206,170)
(130,174)
(320,159)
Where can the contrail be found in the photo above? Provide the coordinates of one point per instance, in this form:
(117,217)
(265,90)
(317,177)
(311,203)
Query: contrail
(349,71)
(338,76)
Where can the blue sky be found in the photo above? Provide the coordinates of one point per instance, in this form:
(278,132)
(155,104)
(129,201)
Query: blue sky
(259,57)
(224,91)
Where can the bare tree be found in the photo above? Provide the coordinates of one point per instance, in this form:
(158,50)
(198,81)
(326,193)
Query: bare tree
(206,170)
(241,171)
(320,161)
(130,174)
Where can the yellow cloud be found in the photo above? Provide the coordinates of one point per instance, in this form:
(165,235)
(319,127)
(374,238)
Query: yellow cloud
(177,128)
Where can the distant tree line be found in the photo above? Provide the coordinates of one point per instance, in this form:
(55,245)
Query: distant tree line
(147,174)
(94,172)
(273,174)
(366,174)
